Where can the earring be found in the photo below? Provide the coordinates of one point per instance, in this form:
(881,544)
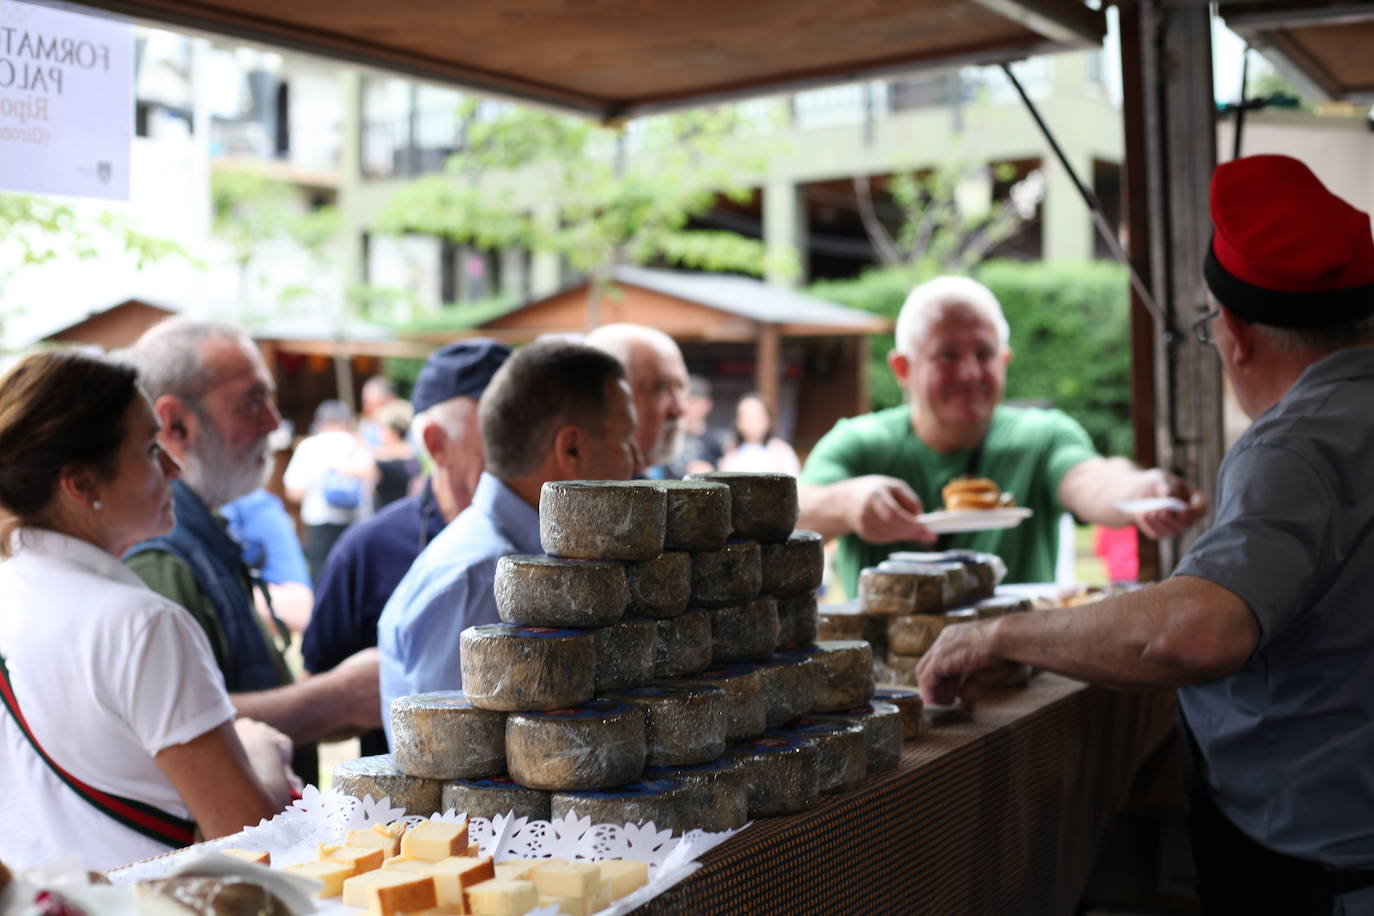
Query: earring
(97,506)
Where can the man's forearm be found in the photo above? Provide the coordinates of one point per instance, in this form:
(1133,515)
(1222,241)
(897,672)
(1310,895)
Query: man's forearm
(1091,489)
(822,509)
(324,706)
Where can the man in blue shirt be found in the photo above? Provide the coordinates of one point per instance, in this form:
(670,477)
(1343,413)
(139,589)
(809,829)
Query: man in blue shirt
(555,411)
(1266,624)
(373,555)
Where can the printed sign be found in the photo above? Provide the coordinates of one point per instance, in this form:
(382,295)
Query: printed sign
(66,101)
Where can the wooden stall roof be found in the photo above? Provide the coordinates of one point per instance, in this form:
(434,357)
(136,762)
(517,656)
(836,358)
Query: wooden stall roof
(687,306)
(1324,43)
(112,328)
(615,58)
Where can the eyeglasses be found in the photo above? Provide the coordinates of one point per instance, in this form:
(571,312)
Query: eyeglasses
(1202,328)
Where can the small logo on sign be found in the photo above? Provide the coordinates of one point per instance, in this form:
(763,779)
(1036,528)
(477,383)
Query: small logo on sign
(102,171)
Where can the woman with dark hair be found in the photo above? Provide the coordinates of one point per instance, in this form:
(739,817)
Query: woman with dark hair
(756,448)
(117,738)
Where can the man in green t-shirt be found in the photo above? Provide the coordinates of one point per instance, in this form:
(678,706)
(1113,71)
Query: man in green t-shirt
(869,478)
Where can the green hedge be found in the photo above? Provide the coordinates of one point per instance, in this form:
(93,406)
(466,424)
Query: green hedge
(1070,338)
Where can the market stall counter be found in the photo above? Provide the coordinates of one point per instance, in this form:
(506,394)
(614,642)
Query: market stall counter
(999,814)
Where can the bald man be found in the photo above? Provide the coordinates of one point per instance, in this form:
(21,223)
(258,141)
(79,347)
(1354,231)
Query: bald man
(658,380)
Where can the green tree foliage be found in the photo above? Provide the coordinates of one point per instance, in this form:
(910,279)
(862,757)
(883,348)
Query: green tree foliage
(1069,337)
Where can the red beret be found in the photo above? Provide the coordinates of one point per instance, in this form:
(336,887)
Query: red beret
(1286,251)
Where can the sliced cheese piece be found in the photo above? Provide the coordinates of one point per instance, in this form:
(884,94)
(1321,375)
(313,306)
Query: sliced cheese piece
(435,840)
(601,519)
(361,859)
(542,591)
(499,897)
(406,895)
(568,906)
(356,889)
(372,838)
(509,668)
(454,876)
(625,876)
(597,744)
(730,575)
(566,879)
(407,863)
(330,874)
(256,856)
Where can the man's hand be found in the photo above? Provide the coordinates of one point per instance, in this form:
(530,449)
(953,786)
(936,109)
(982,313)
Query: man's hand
(881,510)
(962,664)
(269,756)
(1167,523)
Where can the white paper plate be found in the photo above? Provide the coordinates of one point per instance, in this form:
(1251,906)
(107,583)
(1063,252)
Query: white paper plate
(974,519)
(1153,504)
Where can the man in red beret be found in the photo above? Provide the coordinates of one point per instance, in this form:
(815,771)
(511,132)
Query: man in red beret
(1267,626)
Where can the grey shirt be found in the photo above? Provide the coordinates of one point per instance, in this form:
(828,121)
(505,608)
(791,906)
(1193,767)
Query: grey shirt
(1287,741)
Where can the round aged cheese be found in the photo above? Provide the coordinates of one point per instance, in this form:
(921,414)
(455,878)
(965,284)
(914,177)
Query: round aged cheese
(851,621)
(625,654)
(782,773)
(667,803)
(509,668)
(846,673)
(793,566)
(763,507)
(906,588)
(1001,605)
(601,519)
(908,703)
(443,736)
(659,586)
(684,644)
(745,631)
(914,634)
(698,513)
(541,591)
(721,797)
(882,725)
(982,570)
(683,723)
(591,746)
(746,711)
(790,684)
(493,797)
(841,752)
(798,621)
(379,777)
(727,576)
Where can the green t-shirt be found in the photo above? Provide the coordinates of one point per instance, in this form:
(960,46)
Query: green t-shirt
(1027,452)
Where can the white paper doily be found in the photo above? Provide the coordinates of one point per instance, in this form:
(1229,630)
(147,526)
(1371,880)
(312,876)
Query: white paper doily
(323,817)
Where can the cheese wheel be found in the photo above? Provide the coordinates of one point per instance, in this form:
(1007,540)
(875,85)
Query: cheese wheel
(494,797)
(659,586)
(782,773)
(744,631)
(684,644)
(601,519)
(722,799)
(882,725)
(509,668)
(442,735)
(914,634)
(1001,605)
(731,575)
(984,570)
(846,673)
(841,751)
(698,513)
(763,507)
(667,803)
(908,703)
(379,777)
(793,566)
(851,621)
(625,654)
(683,723)
(746,712)
(909,588)
(790,684)
(798,621)
(540,591)
(591,746)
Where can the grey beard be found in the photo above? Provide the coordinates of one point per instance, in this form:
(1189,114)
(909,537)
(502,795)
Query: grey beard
(218,476)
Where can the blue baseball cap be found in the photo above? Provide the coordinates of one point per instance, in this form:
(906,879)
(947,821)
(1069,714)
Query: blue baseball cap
(461,368)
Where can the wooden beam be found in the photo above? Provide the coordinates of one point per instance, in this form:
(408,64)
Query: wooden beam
(768,365)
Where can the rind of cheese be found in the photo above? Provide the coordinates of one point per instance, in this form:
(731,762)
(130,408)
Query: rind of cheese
(379,777)
(659,586)
(597,744)
(790,684)
(782,773)
(909,588)
(330,874)
(731,575)
(683,645)
(722,796)
(850,621)
(842,752)
(601,519)
(698,513)
(454,876)
(908,703)
(442,735)
(409,895)
(499,897)
(665,802)
(744,632)
(763,507)
(882,725)
(625,876)
(746,710)
(846,674)
(494,796)
(793,566)
(539,591)
(683,723)
(625,654)
(798,621)
(435,840)
(355,888)
(509,668)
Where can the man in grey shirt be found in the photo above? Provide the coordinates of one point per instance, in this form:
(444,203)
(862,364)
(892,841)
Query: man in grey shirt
(1268,623)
